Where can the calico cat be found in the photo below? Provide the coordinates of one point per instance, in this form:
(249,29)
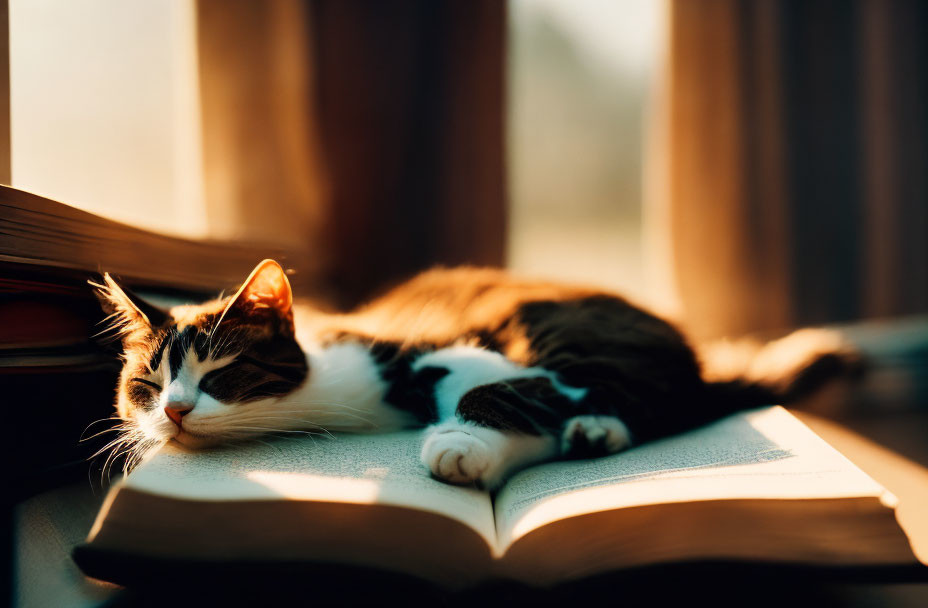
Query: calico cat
(499,372)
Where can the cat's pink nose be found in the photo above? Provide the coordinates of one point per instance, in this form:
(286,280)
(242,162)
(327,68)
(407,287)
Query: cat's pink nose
(177,410)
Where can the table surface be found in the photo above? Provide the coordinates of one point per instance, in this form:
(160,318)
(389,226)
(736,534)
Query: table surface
(49,525)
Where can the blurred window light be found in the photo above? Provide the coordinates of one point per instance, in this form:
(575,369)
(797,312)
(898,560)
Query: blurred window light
(105,109)
(580,80)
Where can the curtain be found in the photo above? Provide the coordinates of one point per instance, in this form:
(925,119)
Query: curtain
(262,160)
(791,169)
(369,133)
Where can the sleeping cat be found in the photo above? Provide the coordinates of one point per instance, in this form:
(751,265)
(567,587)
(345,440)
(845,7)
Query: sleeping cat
(501,373)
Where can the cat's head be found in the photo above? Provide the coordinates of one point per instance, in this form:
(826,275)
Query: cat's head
(209,373)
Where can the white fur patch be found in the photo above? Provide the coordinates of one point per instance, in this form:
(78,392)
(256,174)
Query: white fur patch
(344,392)
(469,367)
(185,386)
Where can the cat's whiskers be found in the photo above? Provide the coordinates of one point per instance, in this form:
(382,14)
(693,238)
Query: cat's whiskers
(114,418)
(97,434)
(240,423)
(209,340)
(115,457)
(112,444)
(330,412)
(129,444)
(129,455)
(224,340)
(285,434)
(298,421)
(314,426)
(141,450)
(111,459)
(268,429)
(327,403)
(333,416)
(343,408)
(317,418)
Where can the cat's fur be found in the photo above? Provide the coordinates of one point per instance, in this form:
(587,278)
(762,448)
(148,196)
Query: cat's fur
(500,372)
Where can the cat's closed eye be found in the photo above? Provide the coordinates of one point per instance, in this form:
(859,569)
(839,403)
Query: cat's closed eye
(212,379)
(142,393)
(245,379)
(147,383)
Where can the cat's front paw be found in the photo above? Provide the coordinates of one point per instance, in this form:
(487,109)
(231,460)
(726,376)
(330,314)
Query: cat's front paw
(456,456)
(586,436)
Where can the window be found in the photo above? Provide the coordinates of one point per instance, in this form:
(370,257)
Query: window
(580,78)
(105,109)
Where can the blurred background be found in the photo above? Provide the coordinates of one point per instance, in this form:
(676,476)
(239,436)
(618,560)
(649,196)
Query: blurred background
(740,166)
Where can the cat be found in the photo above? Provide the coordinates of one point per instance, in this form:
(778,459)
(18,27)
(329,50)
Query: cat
(500,372)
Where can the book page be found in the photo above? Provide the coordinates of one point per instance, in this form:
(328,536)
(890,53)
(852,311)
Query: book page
(360,469)
(764,453)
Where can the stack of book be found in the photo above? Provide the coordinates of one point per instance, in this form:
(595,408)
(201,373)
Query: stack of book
(52,359)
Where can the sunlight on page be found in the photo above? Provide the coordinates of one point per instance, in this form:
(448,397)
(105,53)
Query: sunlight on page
(362,469)
(317,487)
(763,454)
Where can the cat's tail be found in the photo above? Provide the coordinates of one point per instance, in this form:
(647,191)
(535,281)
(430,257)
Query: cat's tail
(811,367)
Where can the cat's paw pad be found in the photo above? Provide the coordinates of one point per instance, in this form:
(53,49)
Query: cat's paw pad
(456,456)
(594,436)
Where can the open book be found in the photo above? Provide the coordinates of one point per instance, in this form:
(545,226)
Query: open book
(758,486)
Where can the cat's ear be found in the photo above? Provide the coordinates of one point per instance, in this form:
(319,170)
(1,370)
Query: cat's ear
(265,289)
(131,315)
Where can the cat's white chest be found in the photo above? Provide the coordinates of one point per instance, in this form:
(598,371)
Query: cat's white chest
(345,391)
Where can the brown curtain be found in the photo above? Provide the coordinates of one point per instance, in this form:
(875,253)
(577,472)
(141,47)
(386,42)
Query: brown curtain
(371,132)
(262,160)
(794,154)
